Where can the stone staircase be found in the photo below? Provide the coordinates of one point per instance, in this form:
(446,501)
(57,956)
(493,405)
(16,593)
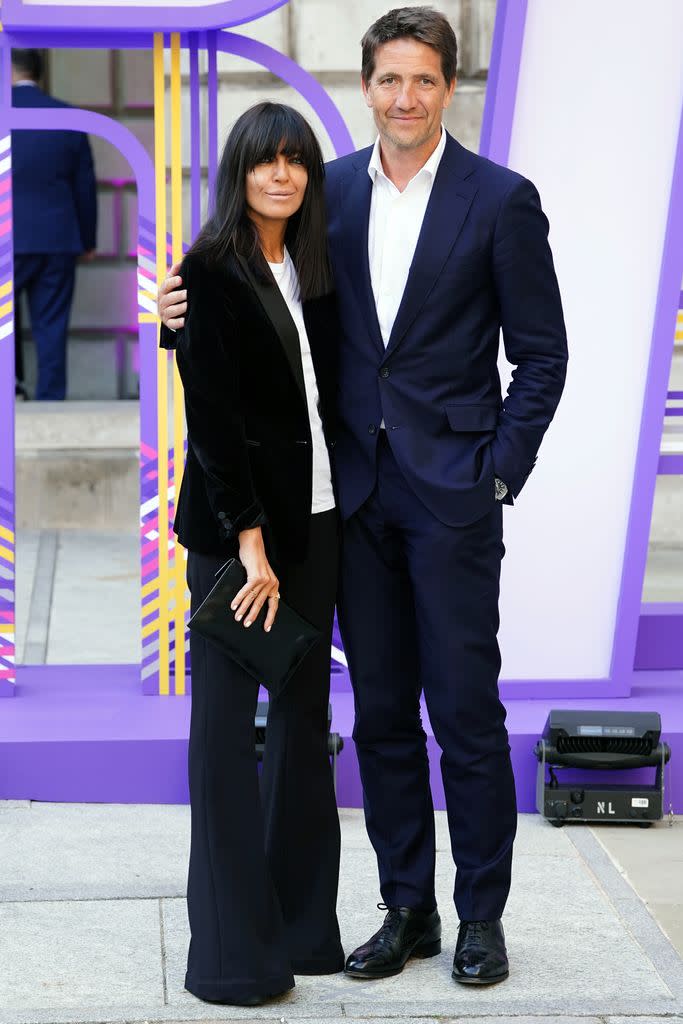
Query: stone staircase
(77,465)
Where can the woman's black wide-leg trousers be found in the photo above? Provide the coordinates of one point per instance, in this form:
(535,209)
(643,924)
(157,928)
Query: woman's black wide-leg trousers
(264,861)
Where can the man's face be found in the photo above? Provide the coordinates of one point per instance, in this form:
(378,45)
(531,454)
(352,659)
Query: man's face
(407,92)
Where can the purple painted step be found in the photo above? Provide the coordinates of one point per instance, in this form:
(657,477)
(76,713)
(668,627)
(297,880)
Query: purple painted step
(86,733)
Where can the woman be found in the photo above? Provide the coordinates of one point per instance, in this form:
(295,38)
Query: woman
(256,357)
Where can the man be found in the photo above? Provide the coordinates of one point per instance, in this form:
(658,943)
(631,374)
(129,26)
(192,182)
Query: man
(434,250)
(54,220)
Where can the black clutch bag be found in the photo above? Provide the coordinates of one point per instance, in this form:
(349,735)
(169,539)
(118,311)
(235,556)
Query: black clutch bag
(271,658)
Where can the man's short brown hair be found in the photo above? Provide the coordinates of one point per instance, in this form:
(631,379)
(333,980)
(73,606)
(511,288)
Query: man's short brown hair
(421,23)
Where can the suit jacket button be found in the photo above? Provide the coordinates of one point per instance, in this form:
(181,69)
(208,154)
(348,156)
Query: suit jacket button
(372,429)
(384,372)
(222,515)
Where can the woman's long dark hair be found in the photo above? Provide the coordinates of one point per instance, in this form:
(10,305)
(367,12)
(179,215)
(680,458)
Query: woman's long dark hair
(260,134)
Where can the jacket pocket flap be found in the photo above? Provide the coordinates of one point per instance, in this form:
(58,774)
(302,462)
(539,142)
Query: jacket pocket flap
(472,417)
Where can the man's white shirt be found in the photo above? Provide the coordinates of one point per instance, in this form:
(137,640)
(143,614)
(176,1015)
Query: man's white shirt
(395,224)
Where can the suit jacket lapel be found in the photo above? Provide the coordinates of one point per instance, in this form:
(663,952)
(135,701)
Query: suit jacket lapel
(277,311)
(448,206)
(356,214)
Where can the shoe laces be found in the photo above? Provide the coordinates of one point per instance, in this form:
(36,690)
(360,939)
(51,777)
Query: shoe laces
(475,929)
(389,920)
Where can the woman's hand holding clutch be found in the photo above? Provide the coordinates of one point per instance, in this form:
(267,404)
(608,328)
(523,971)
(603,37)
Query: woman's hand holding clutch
(262,584)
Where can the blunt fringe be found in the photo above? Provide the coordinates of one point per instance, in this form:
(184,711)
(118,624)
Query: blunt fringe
(259,134)
(421,23)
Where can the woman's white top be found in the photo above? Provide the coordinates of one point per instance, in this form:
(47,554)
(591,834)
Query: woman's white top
(288,282)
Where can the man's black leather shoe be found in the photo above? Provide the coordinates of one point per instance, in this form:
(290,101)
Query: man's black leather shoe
(404,934)
(480,954)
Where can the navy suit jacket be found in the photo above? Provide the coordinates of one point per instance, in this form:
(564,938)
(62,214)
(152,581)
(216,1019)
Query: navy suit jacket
(54,195)
(482,263)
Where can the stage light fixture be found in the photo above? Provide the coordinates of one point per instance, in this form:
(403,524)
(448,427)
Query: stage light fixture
(609,741)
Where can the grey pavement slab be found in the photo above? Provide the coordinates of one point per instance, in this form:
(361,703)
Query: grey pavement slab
(26,558)
(664,574)
(632,911)
(93,851)
(67,955)
(479,1020)
(289,1019)
(562,936)
(111,851)
(582,943)
(651,862)
(96,602)
(40,608)
(669,917)
(562,931)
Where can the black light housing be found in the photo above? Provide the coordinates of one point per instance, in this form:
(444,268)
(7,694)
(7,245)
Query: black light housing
(606,740)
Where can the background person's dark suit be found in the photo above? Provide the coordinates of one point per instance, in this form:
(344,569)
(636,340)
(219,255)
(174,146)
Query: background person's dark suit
(422,537)
(54,220)
(262,885)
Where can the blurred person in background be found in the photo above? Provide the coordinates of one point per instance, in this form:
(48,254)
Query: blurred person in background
(54,200)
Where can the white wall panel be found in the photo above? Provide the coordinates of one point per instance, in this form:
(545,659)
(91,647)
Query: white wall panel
(600,148)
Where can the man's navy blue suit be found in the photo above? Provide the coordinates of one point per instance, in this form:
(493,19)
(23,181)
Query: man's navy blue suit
(54,210)
(422,541)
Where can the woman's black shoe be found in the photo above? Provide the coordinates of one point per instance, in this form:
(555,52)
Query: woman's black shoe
(480,954)
(405,933)
(236,999)
(246,1001)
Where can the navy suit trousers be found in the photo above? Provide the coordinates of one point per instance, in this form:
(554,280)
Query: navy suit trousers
(49,282)
(418,611)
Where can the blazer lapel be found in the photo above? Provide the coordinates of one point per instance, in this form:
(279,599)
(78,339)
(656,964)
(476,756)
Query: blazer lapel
(356,218)
(447,210)
(277,311)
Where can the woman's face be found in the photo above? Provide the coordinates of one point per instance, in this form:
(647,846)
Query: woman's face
(276,188)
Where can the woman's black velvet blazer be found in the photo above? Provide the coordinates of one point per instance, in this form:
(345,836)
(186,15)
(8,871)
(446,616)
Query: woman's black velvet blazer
(249,458)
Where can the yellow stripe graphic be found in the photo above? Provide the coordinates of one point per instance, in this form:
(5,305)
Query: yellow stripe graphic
(152,606)
(178,433)
(162,364)
(148,630)
(7,308)
(6,288)
(6,534)
(7,554)
(149,587)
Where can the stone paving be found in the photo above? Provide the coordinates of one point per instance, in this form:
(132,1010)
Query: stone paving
(93,928)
